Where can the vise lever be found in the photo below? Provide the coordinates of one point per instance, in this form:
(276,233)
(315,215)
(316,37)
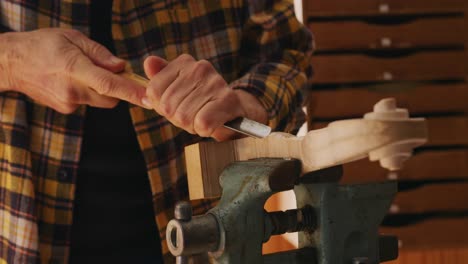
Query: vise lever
(337,224)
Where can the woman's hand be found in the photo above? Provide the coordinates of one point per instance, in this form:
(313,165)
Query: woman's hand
(62,69)
(196,98)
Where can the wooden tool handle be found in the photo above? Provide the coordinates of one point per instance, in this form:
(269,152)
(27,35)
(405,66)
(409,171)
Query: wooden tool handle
(135,77)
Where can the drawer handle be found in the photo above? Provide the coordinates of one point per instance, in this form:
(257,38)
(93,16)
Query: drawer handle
(384,8)
(386,42)
(394,209)
(387,76)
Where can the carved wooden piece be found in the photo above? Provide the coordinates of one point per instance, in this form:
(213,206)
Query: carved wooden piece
(443,131)
(385,135)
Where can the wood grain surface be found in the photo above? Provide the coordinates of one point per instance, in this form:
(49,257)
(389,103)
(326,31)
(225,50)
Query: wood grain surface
(419,99)
(424,166)
(330,8)
(419,33)
(424,66)
(431,234)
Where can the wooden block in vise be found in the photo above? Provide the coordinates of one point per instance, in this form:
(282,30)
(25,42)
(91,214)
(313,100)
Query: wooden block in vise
(387,135)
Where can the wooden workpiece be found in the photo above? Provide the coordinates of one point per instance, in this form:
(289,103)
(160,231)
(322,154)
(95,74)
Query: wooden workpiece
(386,137)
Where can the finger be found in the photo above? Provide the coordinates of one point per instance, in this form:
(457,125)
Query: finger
(106,83)
(161,81)
(215,113)
(193,97)
(97,53)
(222,134)
(153,65)
(182,100)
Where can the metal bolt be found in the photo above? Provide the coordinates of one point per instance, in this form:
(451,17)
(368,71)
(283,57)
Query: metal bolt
(183,212)
(294,220)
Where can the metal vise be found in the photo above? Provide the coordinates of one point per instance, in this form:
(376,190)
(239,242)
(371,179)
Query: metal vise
(337,224)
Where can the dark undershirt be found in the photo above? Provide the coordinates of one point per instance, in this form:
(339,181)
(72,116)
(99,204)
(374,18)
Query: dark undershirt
(113,220)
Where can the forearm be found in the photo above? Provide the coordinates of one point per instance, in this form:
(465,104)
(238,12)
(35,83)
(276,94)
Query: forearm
(5,83)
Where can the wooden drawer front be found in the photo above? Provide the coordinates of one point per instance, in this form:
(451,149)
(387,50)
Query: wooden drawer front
(448,131)
(443,131)
(431,233)
(420,99)
(428,165)
(422,33)
(432,198)
(317,8)
(359,68)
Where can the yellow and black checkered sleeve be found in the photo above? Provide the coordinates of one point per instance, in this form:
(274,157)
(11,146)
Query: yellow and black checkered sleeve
(275,54)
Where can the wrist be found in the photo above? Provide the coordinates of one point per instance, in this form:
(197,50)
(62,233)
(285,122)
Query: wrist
(5,72)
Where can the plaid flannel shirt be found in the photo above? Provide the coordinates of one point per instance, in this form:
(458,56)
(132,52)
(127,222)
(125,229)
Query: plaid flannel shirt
(256,45)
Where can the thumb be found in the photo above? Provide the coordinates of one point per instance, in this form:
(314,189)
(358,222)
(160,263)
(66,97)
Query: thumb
(153,65)
(97,53)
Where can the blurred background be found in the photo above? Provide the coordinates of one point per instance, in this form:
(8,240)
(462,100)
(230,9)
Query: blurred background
(414,51)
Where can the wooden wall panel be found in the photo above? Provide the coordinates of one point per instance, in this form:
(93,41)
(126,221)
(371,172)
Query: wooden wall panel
(436,233)
(427,165)
(444,32)
(331,8)
(412,50)
(448,131)
(439,256)
(419,99)
(424,66)
(432,198)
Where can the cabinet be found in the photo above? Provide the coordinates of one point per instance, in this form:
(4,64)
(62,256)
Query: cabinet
(415,51)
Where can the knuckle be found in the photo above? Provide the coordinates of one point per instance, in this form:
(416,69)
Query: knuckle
(186,57)
(166,110)
(203,65)
(230,98)
(109,104)
(218,81)
(67,108)
(153,93)
(201,69)
(203,126)
(73,33)
(71,95)
(183,119)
